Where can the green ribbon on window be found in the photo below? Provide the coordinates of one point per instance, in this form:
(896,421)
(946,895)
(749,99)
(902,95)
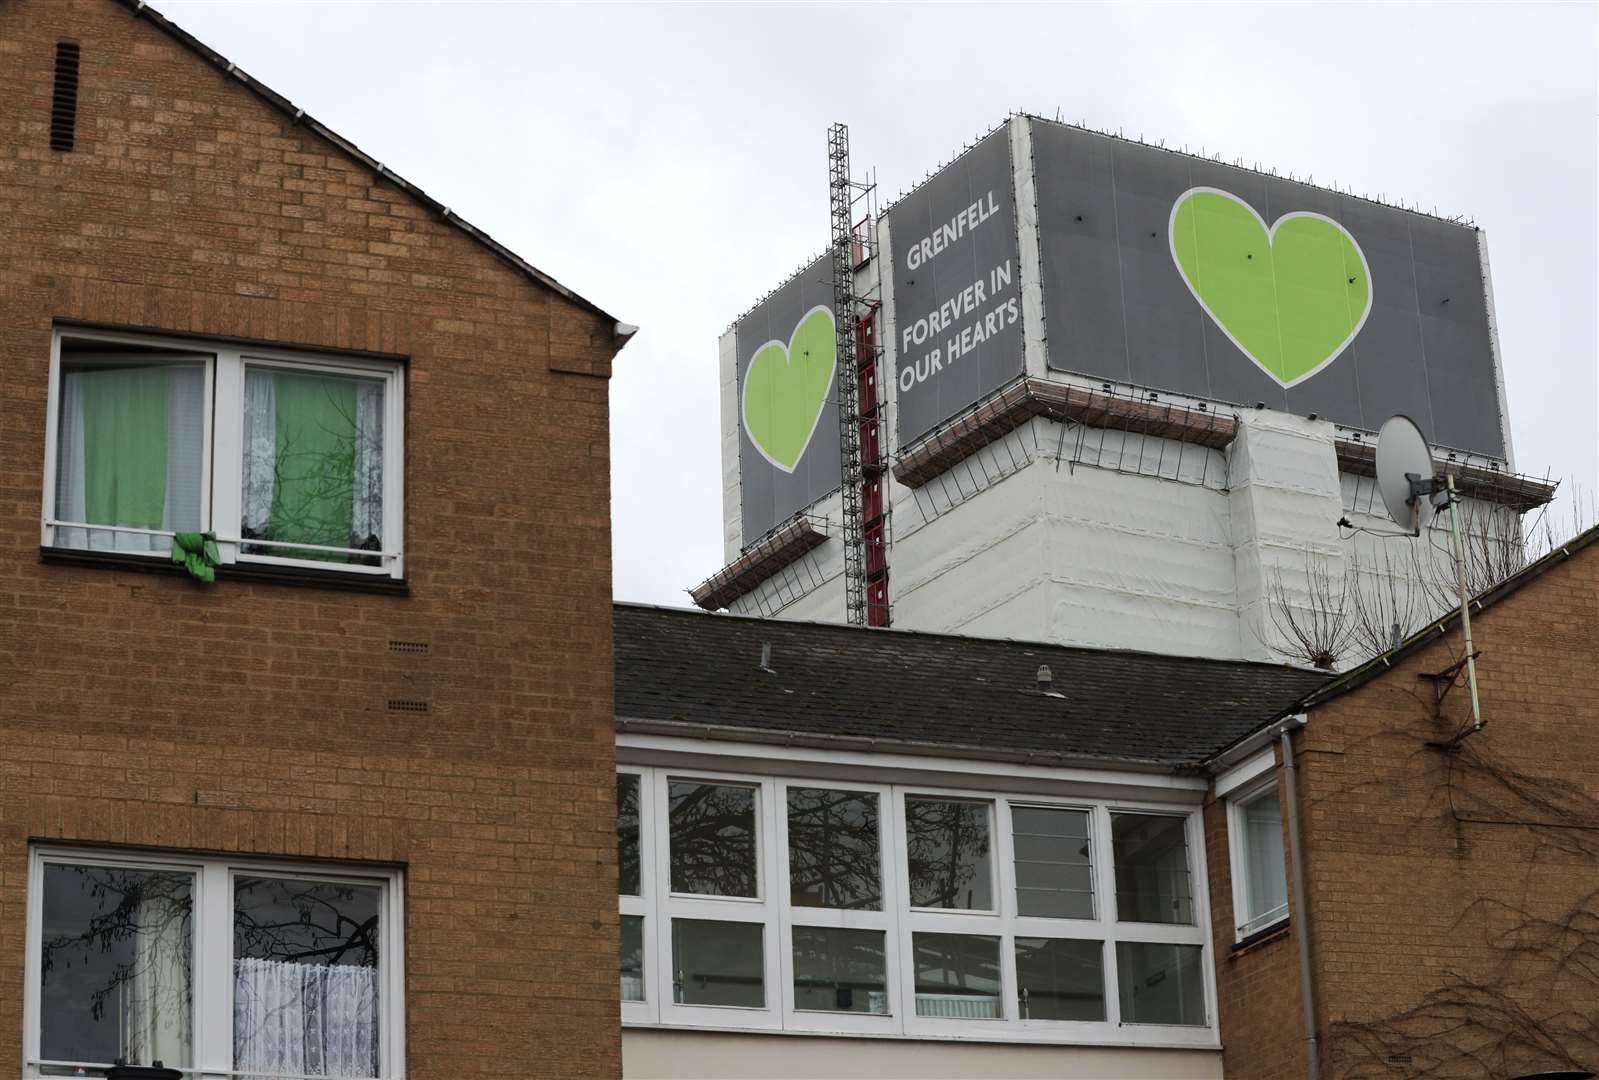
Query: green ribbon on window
(197,551)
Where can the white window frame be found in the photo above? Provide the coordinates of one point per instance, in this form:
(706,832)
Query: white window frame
(882,920)
(212,949)
(1248,923)
(898,921)
(222,469)
(648,1010)
(760,909)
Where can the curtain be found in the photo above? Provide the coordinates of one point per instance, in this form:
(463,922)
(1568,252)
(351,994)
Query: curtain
(305,1019)
(366,526)
(158,1014)
(130,451)
(313,462)
(260,452)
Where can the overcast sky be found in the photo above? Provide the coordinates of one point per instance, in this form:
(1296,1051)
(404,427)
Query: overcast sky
(669,162)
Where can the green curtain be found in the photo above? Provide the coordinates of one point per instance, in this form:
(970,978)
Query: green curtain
(125,445)
(313,496)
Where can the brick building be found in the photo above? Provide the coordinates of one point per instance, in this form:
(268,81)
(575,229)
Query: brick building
(345,810)
(933,856)
(1452,875)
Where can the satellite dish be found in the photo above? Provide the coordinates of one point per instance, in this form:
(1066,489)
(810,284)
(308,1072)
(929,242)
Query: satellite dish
(1404,460)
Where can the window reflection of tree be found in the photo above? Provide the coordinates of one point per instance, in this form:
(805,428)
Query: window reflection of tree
(627,834)
(833,849)
(305,922)
(131,907)
(713,839)
(946,849)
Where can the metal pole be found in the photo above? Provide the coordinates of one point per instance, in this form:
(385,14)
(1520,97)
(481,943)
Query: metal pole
(1301,908)
(1465,600)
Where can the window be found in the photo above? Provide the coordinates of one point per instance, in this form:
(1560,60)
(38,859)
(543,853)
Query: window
(833,849)
(713,839)
(291,460)
(957,976)
(1060,979)
(860,908)
(946,854)
(1054,877)
(1255,840)
(307,984)
(1152,880)
(627,834)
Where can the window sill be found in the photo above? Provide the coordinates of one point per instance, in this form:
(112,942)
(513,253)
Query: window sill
(1262,936)
(1147,1037)
(246,572)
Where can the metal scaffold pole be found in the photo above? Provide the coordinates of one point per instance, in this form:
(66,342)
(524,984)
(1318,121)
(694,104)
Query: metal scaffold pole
(842,200)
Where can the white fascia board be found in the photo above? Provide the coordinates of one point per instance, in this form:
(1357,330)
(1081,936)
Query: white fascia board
(903,767)
(1247,746)
(1245,771)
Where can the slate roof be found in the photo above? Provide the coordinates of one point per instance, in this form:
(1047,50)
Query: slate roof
(688,672)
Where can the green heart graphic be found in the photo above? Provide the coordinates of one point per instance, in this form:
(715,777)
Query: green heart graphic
(1292,297)
(786,386)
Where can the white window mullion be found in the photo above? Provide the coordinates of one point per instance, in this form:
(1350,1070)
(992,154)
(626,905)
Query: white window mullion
(644,905)
(52,436)
(394,471)
(227,454)
(655,819)
(213,970)
(1103,853)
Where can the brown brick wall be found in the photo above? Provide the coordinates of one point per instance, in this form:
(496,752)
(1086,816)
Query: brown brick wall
(1442,945)
(147,710)
(1257,984)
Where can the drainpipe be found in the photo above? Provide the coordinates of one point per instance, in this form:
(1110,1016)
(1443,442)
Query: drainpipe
(1301,904)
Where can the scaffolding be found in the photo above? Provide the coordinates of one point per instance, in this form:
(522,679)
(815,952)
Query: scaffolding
(863,463)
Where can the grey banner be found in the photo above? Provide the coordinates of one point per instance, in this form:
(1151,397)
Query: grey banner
(957,288)
(1118,307)
(772,492)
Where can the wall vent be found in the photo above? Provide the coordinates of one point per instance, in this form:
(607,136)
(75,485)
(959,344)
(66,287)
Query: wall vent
(410,648)
(408,706)
(64,103)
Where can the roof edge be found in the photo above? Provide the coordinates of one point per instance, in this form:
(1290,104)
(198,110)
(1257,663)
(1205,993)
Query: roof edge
(696,613)
(622,332)
(867,744)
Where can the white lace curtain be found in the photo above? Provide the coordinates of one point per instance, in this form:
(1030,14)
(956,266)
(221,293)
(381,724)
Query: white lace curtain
(305,1019)
(185,437)
(261,465)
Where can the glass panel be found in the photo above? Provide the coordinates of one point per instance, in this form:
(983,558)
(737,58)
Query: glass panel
(632,958)
(1152,881)
(957,976)
(839,970)
(713,838)
(718,963)
(833,849)
(627,834)
(1054,877)
(116,966)
(1265,880)
(130,450)
(946,847)
(305,977)
(1060,979)
(313,464)
(1160,984)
